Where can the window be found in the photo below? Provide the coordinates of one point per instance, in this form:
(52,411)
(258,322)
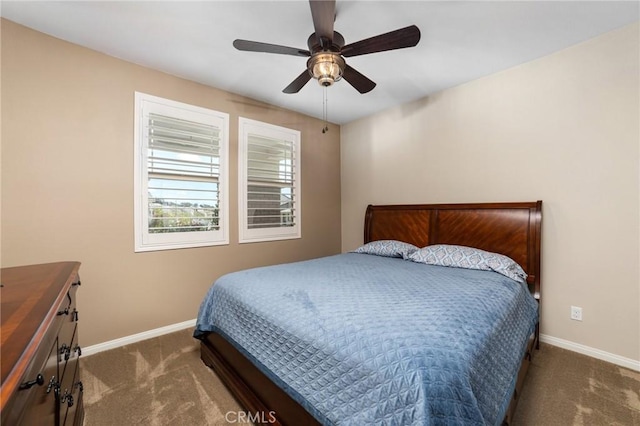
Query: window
(269,182)
(180,175)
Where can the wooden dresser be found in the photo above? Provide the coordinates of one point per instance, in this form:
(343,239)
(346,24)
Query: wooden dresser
(40,369)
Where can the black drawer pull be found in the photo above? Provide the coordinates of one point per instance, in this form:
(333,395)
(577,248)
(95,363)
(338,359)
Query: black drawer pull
(74,315)
(66,351)
(53,384)
(64,312)
(39,380)
(78,349)
(68,398)
(76,283)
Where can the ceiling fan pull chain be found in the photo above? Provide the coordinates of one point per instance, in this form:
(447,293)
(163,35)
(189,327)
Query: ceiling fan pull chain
(325,129)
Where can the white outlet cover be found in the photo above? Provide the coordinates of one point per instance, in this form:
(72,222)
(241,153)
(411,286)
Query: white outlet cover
(576,313)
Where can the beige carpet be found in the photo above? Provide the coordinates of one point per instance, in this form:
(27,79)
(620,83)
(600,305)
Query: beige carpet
(157,382)
(162,381)
(566,388)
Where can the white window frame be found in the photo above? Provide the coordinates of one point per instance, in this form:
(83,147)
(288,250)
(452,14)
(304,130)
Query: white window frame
(144,240)
(247,127)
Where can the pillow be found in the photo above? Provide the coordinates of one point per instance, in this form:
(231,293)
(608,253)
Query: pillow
(387,248)
(469,258)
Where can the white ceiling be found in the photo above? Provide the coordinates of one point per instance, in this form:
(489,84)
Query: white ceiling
(461,41)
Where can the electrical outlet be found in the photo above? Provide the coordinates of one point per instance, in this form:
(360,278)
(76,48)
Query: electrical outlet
(576,313)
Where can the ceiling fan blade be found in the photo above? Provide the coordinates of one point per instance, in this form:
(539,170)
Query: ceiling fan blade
(398,39)
(323,13)
(361,83)
(256,46)
(298,83)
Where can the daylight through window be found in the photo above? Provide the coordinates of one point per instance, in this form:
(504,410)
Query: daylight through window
(184,169)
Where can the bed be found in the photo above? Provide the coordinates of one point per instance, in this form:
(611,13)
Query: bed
(361,338)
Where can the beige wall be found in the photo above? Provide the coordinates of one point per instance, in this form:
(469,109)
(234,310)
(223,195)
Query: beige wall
(563,129)
(67,184)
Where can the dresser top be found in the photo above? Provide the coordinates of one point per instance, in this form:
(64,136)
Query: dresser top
(30,297)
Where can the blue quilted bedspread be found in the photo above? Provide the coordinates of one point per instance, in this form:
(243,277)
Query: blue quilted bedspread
(359,339)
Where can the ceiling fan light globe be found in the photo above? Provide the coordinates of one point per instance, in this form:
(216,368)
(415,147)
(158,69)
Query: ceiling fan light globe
(327,68)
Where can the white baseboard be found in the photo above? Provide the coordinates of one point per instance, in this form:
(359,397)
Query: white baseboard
(112,344)
(629,363)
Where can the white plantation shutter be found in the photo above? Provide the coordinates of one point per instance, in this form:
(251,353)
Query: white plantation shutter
(180,175)
(184,165)
(270,182)
(200,143)
(269,169)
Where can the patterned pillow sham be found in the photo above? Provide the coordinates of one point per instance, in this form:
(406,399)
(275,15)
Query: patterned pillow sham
(387,248)
(469,258)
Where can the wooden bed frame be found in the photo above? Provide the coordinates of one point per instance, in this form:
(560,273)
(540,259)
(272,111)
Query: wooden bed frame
(512,229)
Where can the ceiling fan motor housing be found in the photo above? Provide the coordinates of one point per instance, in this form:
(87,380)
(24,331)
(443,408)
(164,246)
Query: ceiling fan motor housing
(326,64)
(336,44)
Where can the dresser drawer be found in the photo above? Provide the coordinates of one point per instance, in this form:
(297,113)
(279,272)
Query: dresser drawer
(40,399)
(68,367)
(74,413)
(67,331)
(67,311)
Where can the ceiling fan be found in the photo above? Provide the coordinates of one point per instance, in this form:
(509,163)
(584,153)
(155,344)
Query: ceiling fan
(327,50)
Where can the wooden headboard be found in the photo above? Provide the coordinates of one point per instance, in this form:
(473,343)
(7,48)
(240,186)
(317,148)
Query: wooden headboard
(512,229)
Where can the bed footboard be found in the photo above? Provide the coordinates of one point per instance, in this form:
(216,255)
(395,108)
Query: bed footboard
(254,391)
